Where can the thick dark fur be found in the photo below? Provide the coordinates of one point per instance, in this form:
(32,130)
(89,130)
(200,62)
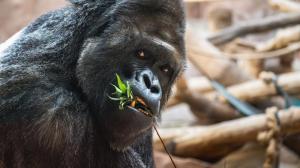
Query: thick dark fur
(54,80)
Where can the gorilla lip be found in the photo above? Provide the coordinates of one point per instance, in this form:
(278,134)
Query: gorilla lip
(141,106)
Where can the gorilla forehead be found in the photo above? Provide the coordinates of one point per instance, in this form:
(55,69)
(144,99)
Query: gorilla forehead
(161,22)
(167,12)
(173,6)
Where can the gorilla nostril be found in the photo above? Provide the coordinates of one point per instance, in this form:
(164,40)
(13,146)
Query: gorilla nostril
(137,77)
(154,90)
(147,81)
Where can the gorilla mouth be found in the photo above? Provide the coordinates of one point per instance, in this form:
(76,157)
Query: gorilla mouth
(139,105)
(124,93)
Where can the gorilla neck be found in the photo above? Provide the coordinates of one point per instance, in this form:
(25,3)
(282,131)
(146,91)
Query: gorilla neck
(87,148)
(101,152)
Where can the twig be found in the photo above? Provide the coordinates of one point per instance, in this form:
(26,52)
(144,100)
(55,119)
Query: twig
(264,24)
(293,47)
(165,148)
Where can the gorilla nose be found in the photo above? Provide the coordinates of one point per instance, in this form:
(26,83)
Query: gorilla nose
(147,87)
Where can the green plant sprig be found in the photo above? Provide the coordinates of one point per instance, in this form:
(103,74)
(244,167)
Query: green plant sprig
(123,93)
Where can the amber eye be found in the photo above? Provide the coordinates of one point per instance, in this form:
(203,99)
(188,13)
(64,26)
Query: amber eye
(166,69)
(141,54)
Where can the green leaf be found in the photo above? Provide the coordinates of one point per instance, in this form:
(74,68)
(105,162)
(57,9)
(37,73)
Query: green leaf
(117,89)
(121,85)
(123,98)
(129,91)
(121,107)
(114,98)
(123,104)
(123,93)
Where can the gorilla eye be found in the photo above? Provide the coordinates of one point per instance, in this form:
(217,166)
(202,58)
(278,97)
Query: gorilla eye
(166,69)
(141,54)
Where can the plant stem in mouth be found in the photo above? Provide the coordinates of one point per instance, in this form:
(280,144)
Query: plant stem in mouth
(126,98)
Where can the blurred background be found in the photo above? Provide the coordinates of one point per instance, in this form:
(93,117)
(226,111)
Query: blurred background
(237,103)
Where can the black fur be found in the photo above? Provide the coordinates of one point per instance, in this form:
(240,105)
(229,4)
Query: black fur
(54,80)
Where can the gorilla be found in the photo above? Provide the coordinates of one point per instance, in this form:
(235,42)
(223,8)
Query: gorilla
(56,75)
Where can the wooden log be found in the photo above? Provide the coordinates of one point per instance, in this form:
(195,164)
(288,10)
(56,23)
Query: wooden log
(212,110)
(253,67)
(290,49)
(202,107)
(169,134)
(162,160)
(173,101)
(292,142)
(209,58)
(199,84)
(202,141)
(219,18)
(258,90)
(282,38)
(255,26)
(251,91)
(196,84)
(285,5)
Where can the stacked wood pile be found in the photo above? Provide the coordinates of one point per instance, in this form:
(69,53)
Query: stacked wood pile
(237,56)
(234,55)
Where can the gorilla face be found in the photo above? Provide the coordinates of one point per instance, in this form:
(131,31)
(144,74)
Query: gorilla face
(145,47)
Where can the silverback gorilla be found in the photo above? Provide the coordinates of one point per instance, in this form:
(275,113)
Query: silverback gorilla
(56,75)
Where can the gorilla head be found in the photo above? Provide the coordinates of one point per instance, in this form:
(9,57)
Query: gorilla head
(142,41)
(57,73)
